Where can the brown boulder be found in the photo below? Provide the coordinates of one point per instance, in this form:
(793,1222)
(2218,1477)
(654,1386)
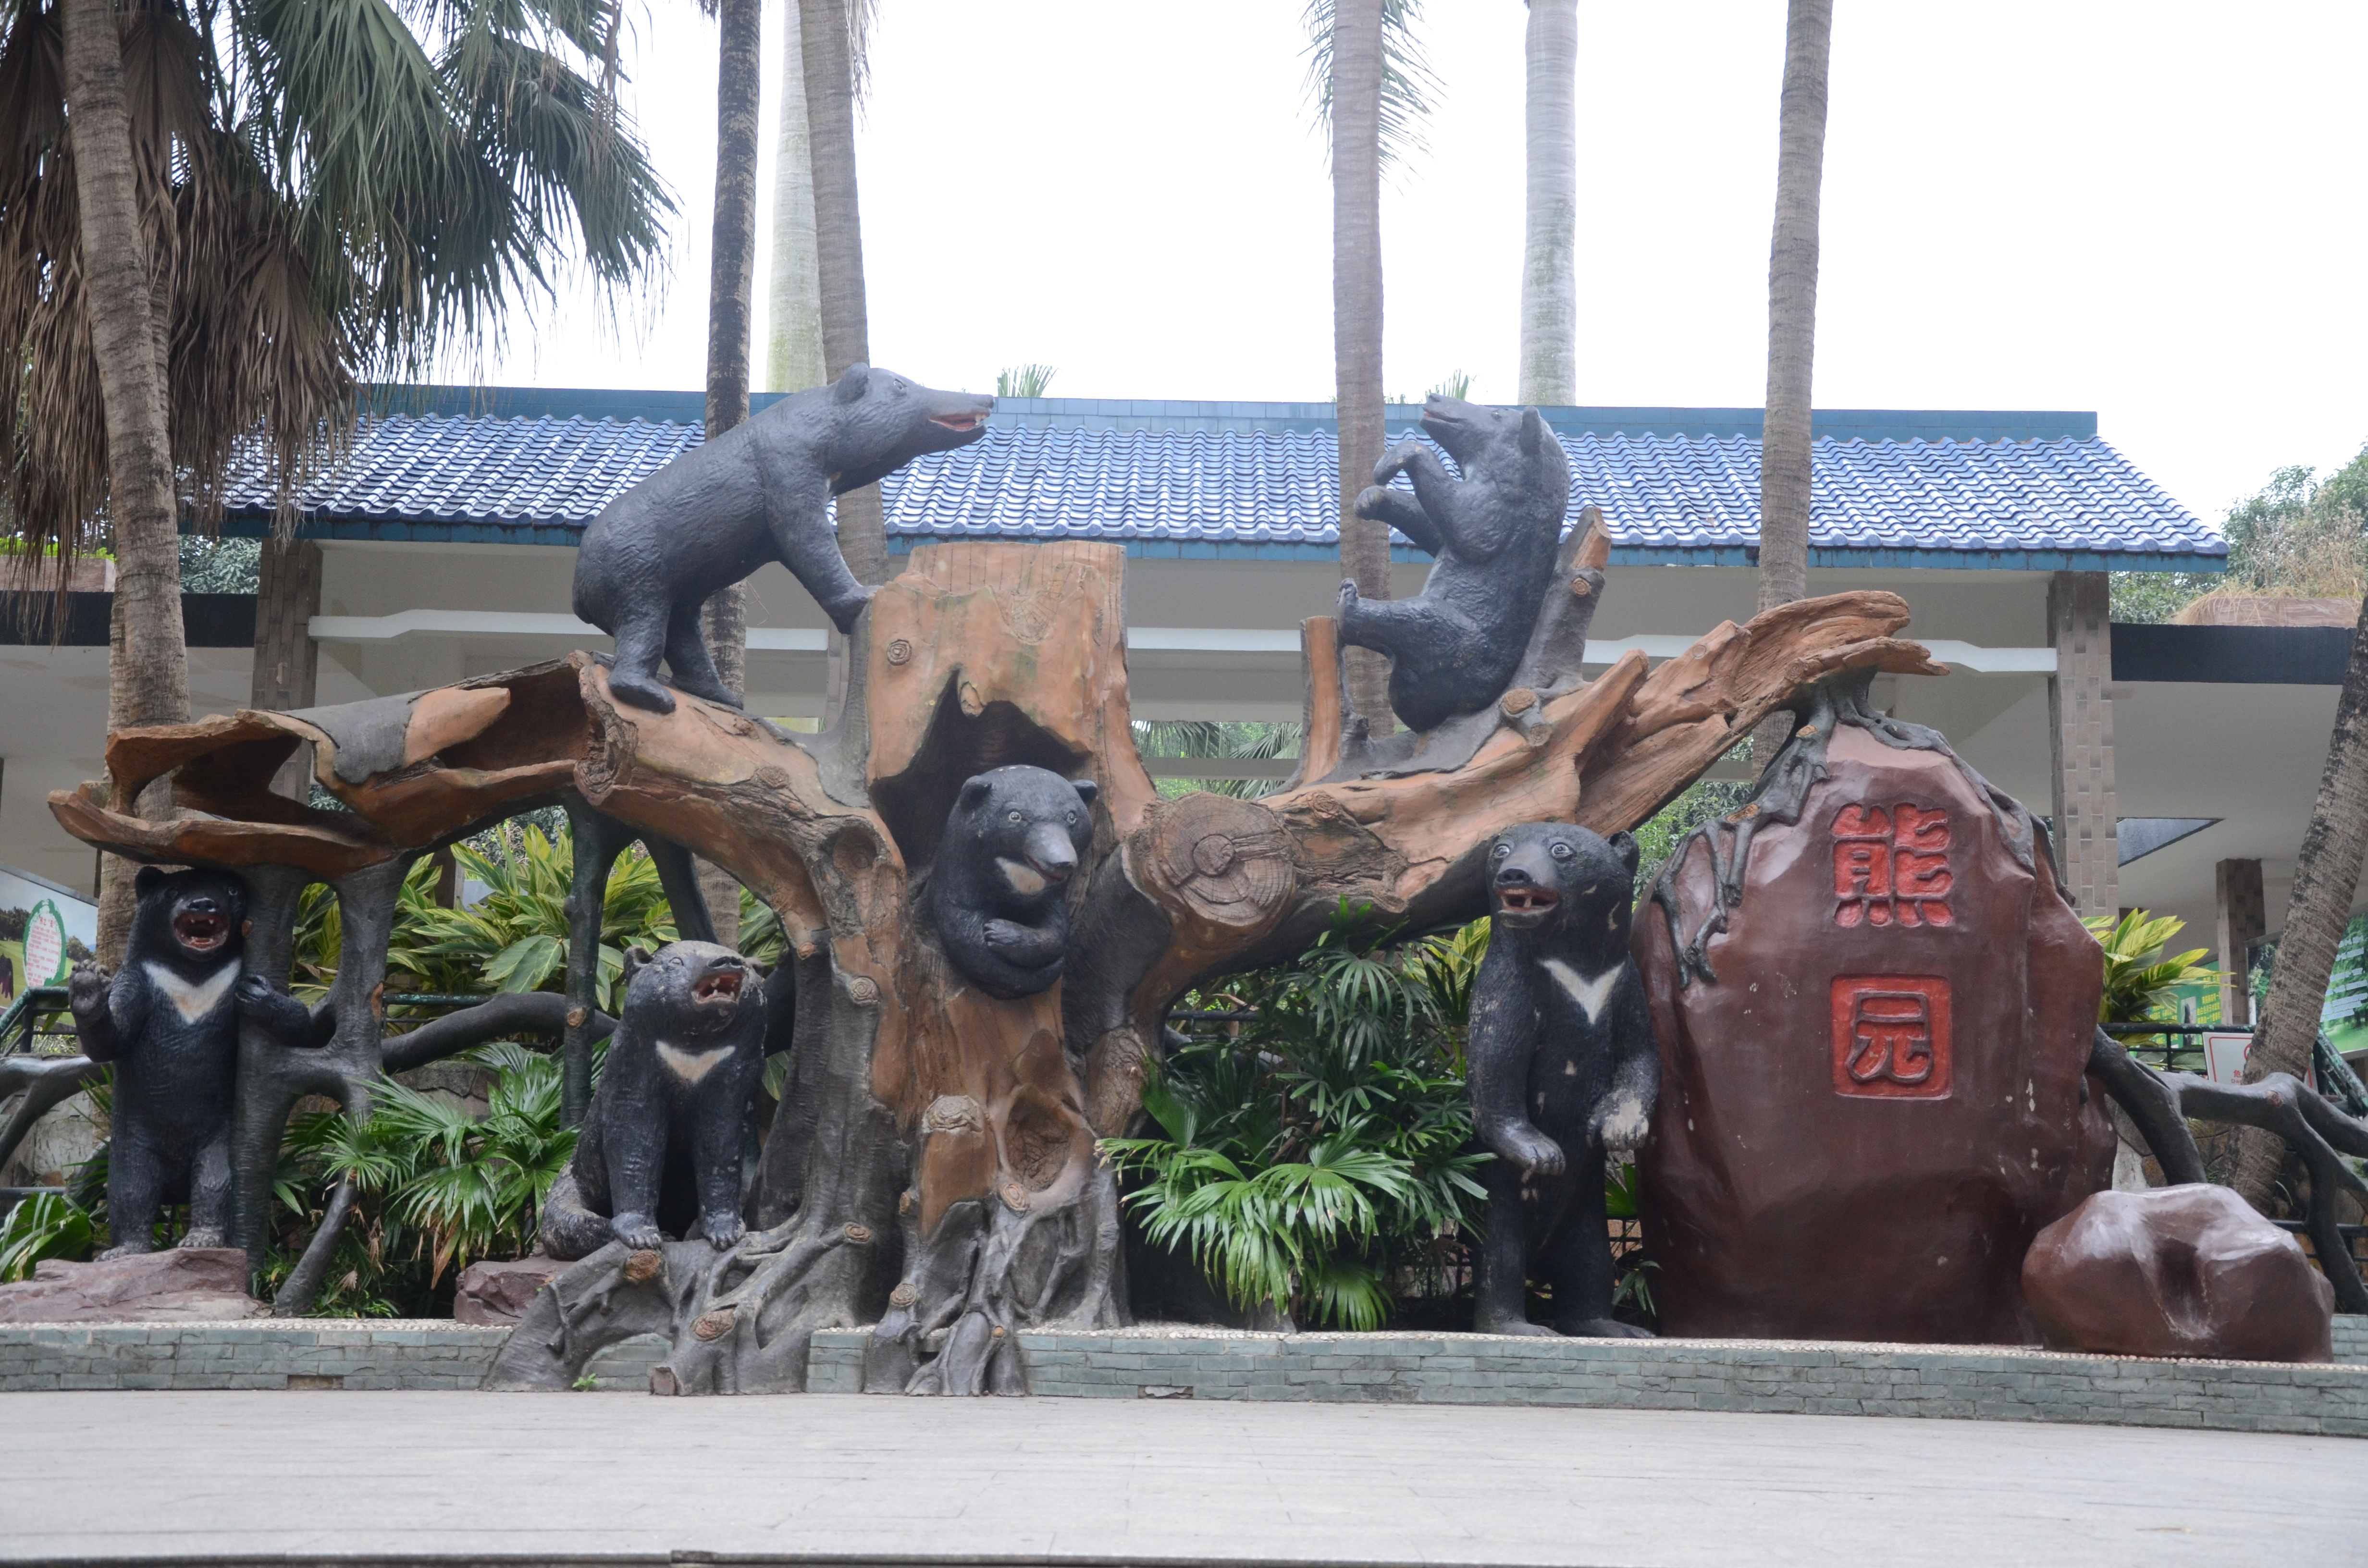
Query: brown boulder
(1879,1100)
(178,1285)
(499,1293)
(2178,1271)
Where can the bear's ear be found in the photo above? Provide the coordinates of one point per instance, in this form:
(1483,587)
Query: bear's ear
(149,879)
(852,384)
(975,792)
(1087,790)
(637,957)
(1624,845)
(1533,431)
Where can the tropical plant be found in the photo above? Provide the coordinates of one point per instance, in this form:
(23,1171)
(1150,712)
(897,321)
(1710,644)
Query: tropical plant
(1549,347)
(435,1188)
(1785,449)
(1023,381)
(514,938)
(1658,836)
(1246,741)
(1319,1162)
(44,1225)
(2139,978)
(1458,385)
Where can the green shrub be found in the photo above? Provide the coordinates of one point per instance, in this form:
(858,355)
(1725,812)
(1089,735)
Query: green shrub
(45,1225)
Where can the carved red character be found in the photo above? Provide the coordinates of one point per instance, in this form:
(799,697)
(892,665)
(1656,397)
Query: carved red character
(1890,866)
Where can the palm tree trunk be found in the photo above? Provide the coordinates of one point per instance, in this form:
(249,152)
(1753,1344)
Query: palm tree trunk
(839,250)
(739,87)
(1785,439)
(148,661)
(1550,244)
(2326,875)
(1357,322)
(793,357)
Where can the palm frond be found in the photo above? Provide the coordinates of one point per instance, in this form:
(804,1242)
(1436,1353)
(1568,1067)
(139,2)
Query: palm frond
(1409,85)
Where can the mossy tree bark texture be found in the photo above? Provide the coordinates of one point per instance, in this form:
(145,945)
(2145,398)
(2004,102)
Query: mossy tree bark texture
(932,1167)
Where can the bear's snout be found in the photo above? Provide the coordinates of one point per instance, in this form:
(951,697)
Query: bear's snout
(202,925)
(1519,899)
(721,982)
(1051,853)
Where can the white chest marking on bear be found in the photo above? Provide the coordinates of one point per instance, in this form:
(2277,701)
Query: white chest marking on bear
(1025,879)
(194,1002)
(690,1066)
(1588,994)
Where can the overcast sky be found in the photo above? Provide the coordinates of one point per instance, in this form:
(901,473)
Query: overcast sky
(2147,209)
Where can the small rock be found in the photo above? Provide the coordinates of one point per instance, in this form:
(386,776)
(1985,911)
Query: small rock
(499,1293)
(2176,1271)
(178,1285)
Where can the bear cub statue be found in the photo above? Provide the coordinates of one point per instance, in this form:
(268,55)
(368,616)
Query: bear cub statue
(1564,1072)
(168,1020)
(758,492)
(659,1152)
(999,890)
(1453,647)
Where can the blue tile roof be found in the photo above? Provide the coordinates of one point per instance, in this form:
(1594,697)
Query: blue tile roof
(2020,491)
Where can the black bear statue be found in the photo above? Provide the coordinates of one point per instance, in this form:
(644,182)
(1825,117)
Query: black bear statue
(659,1154)
(999,890)
(1453,647)
(168,1020)
(1564,1072)
(759,491)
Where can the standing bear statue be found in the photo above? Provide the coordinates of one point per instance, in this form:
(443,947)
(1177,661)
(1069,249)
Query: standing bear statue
(758,492)
(1453,648)
(168,1020)
(659,1153)
(1564,1072)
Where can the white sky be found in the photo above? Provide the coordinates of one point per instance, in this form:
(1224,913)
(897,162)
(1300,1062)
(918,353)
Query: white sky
(2148,210)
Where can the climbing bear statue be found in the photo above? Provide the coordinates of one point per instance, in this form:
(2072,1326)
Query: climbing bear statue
(1564,1070)
(168,1020)
(759,491)
(660,1151)
(998,893)
(1453,647)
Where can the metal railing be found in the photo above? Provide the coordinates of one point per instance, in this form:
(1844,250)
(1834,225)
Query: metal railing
(20,1026)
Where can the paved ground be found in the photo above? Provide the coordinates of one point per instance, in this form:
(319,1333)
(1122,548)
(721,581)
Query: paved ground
(563,1478)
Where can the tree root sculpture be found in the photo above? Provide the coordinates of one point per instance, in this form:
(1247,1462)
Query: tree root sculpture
(932,1167)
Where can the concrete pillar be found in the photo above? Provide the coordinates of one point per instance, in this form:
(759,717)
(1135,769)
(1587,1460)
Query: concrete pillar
(2243,921)
(287,663)
(2080,718)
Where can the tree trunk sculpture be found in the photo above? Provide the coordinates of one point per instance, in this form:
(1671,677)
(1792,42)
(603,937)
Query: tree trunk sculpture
(933,1169)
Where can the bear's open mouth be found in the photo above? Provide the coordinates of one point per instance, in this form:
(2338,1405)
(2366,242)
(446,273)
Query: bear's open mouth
(201,932)
(1529,899)
(723,984)
(963,422)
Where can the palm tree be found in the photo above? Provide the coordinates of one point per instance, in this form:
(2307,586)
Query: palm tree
(793,357)
(1784,440)
(1370,82)
(2327,873)
(832,36)
(739,92)
(1550,241)
(218,256)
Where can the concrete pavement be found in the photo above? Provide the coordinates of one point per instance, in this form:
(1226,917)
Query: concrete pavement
(562,1478)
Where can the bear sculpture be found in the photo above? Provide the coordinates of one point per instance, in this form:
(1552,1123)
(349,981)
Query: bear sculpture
(998,890)
(759,491)
(1453,648)
(660,1150)
(168,1020)
(1564,1070)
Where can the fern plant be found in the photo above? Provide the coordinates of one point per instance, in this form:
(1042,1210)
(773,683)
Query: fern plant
(1319,1162)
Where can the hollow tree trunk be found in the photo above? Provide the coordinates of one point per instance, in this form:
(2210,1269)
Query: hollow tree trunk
(931,1170)
(148,662)
(2327,877)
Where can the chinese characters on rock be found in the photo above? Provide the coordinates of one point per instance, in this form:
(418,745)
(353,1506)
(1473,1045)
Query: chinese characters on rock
(1891,1032)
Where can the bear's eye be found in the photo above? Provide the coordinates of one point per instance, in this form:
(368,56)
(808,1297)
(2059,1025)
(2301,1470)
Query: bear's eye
(1564,851)
(1071,818)
(1017,817)
(1501,851)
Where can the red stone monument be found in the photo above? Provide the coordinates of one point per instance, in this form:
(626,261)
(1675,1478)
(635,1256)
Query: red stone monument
(1874,1091)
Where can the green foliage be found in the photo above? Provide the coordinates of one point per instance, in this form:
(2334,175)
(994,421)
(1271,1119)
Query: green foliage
(513,940)
(1319,1161)
(2298,536)
(1023,381)
(1457,385)
(221,565)
(1658,838)
(435,1188)
(1409,85)
(2138,978)
(45,1225)
(1244,740)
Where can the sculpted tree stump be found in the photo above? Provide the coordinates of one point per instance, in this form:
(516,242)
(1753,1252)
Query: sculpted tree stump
(933,1169)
